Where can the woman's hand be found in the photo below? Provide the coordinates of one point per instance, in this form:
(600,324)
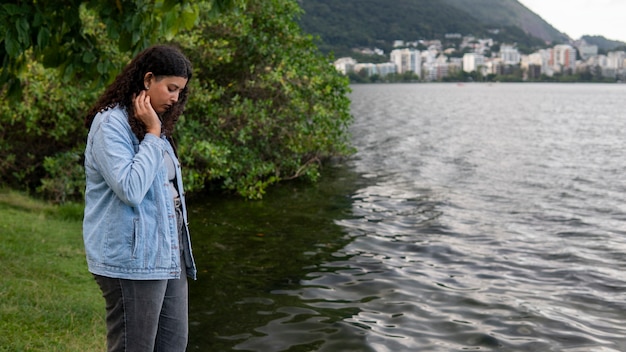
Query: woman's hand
(146,114)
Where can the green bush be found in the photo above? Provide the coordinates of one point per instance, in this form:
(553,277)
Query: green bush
(266,106)
(64,178)
(46,124)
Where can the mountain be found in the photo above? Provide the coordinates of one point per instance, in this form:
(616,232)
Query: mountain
(603,43)
(345,24)
(510,13)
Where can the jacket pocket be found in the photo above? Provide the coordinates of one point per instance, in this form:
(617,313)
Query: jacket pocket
(135,238)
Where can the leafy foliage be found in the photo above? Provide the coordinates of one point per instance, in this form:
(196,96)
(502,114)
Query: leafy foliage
(46,122)
(51,31)
(266,106)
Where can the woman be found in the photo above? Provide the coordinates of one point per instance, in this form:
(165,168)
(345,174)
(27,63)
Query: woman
(135,226)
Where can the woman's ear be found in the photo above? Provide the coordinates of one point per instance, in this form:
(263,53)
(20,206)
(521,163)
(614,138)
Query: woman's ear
(147,80)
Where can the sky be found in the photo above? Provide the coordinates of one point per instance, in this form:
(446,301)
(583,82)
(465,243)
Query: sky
(580,17)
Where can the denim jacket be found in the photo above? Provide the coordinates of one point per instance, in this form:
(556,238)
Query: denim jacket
(129,228)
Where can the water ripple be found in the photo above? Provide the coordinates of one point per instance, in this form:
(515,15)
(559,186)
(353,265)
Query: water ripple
(493,224)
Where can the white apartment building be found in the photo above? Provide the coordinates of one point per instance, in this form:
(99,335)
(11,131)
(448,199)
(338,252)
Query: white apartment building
(398,43)
(429,57)
(442,67)
(479,46)
(386,68)
(563,58)
(455,64)
(436,63)
(435,68)
(494,66)
(369,69)
(472,62)
(541,59)
(345,65)
(510,55)
(600,60)
(407,60)
(616,59)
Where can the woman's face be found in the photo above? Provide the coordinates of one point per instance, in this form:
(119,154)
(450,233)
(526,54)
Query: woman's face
(164,91)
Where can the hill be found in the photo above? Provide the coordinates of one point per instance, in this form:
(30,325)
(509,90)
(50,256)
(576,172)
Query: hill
(603,43)
(346,24)
(500,13)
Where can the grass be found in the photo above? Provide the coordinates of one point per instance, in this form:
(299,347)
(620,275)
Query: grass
(48,299)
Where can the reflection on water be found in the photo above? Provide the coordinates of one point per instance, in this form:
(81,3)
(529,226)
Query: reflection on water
(247,250)
(472,218)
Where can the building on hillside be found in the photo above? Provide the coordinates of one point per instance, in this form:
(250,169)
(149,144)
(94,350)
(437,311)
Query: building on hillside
(345,65)
(533,72)
(407,60)
(494,66)
(598,60)
(429,63)
(428,56)
(371,69)
(472,62)
(539,59)
(386,68)
(435,68)
(366,69)
(533,65)
(614,64)
(478,46)
(563,59)
(434,45)
(510,55)
(587,51)
(615,59)
(442,67)
(600,63)
(608,65)
(455,64)
(370,51)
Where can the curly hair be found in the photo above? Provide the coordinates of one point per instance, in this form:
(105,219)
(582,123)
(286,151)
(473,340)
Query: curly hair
(161,60)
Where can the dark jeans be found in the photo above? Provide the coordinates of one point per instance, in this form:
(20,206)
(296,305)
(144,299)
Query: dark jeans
(146,316)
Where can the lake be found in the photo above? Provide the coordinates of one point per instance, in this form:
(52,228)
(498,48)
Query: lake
(485,217)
